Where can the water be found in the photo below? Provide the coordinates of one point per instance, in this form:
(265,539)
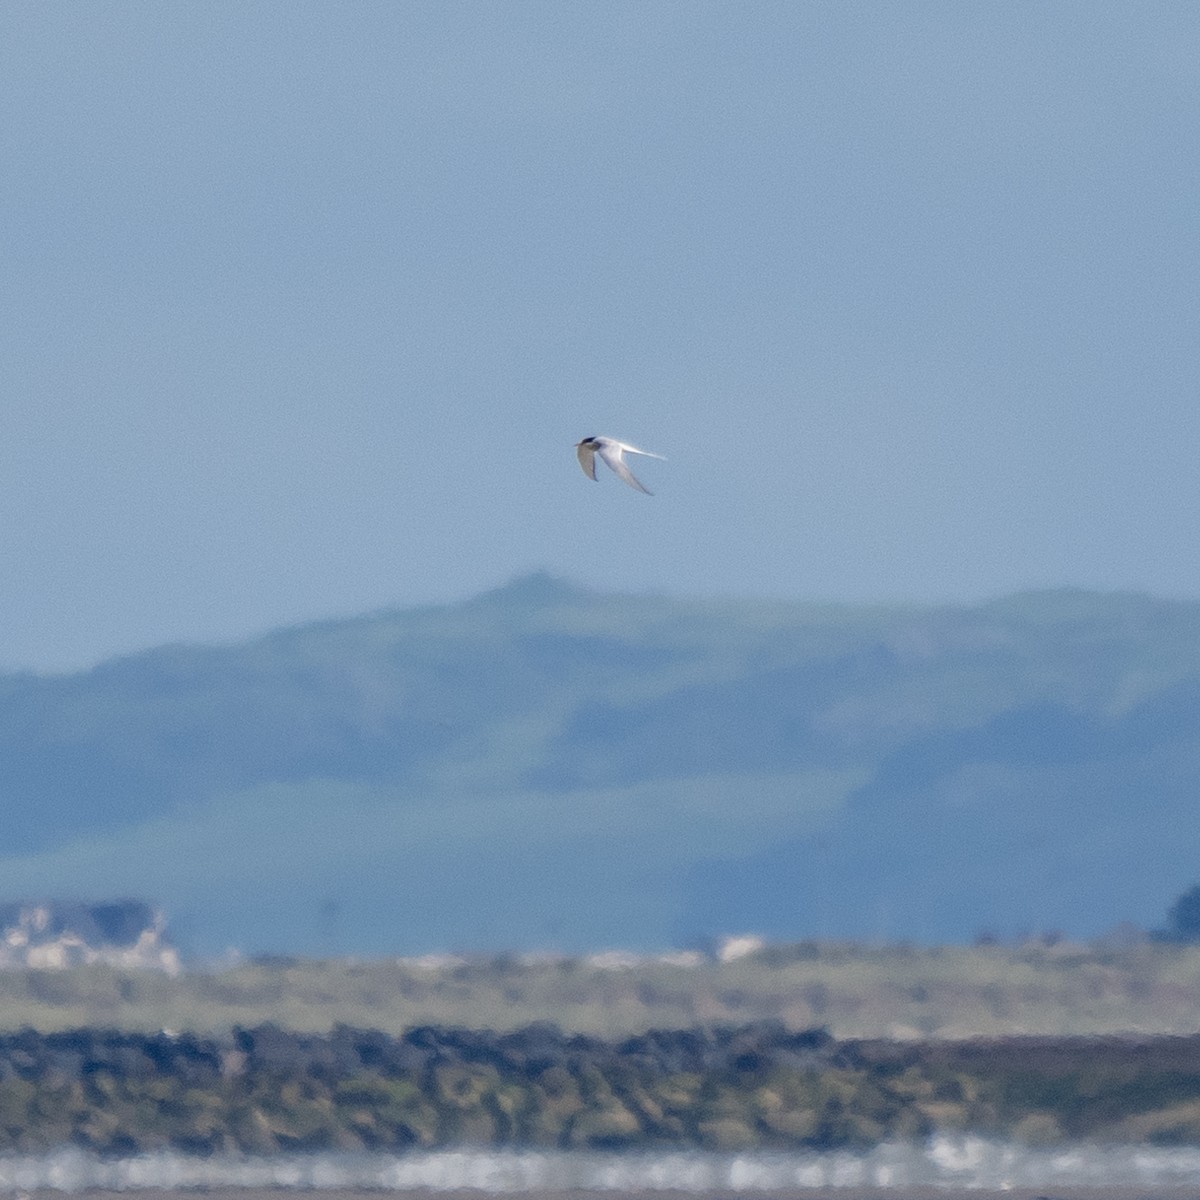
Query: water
(953,1163)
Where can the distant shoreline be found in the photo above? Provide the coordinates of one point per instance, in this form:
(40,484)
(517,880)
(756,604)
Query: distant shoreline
(1137,988)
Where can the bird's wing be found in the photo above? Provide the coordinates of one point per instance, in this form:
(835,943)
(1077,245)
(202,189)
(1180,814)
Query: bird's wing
(612,455)
(587,459)
(628,449)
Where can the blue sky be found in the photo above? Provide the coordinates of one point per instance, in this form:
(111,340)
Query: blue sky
(306,304)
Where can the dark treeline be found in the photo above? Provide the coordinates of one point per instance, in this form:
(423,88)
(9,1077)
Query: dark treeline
(267,1090)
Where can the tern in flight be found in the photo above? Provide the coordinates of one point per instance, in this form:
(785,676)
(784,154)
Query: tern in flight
(613,453)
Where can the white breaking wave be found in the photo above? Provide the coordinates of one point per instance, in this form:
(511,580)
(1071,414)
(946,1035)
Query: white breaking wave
(943,1161)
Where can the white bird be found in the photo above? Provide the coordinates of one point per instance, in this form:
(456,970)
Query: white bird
(613,453)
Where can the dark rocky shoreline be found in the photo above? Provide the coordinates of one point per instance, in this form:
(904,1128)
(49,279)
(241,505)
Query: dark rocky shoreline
(267,1090)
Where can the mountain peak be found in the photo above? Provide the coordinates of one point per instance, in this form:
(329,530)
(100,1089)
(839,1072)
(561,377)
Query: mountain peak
(538,589)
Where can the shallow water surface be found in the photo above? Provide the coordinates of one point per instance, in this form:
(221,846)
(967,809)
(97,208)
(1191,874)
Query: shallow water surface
(944,1165)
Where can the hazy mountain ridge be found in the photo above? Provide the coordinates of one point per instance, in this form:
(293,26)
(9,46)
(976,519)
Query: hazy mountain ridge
(797,768)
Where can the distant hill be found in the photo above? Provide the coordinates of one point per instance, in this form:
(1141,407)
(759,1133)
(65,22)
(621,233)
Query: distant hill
(547,766)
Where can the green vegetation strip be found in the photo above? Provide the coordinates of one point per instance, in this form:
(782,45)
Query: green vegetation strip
(267,1090)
